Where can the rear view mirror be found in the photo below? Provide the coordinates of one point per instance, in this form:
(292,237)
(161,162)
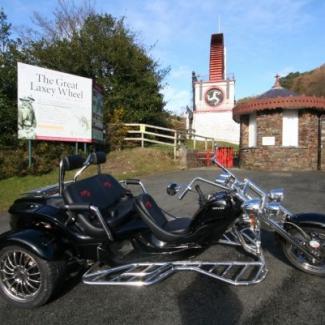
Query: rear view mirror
(172,189)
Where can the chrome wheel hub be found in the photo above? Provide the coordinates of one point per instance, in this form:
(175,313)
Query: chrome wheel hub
(20,276)
(314,244)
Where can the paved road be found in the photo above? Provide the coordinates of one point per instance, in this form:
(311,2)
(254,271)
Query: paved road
(286,296)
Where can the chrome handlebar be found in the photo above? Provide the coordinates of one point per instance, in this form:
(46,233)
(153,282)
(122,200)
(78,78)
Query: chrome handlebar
(199,179)
(240,188)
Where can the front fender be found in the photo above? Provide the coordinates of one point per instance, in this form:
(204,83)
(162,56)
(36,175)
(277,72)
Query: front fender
(42,244)
(308,219)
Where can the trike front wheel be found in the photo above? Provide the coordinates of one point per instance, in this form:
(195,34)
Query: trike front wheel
(298,258)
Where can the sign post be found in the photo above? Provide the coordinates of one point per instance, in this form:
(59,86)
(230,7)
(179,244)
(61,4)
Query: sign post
(29,153)
(56,106)
(53,105)
(97,114)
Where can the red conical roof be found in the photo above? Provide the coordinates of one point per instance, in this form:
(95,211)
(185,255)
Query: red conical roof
(278,97)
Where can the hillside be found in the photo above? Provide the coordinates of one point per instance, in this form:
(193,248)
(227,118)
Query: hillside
(311,83)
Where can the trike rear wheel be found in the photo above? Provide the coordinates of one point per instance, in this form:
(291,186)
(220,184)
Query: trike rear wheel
(27,280)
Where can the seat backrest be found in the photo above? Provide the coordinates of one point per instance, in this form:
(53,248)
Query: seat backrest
(85,191)
(100,190)
(154,218)
(148,205)
(111,188)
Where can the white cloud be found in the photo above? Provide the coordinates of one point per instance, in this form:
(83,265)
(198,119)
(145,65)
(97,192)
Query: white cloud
(180,72)
(176,99)
(182,29)
(271,15)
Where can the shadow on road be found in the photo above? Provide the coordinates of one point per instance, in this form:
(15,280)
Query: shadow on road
(209,302)
(73,276)
(272,244)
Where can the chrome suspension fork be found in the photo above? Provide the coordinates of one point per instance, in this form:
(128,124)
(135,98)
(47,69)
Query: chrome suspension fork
(249,238)
(279,229)
(252,244)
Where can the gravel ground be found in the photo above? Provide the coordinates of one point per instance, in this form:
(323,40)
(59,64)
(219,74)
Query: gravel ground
(286,296)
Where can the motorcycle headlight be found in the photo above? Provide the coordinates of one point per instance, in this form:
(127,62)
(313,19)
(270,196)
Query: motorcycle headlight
(252,205)
(251,208)
(273,207)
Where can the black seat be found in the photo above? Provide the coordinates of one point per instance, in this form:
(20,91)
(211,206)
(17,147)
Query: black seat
(176,230)
(106,193)
(178,225)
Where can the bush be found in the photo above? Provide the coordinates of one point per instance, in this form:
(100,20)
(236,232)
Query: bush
(117,131)
(10,161)
(45,157)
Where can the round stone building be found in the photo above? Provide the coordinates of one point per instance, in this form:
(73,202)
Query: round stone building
(281,130)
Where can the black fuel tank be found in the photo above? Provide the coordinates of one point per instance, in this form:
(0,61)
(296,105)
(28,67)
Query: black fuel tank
(219,212)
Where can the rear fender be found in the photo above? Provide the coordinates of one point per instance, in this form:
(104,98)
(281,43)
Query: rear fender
(308,219)
(42,244)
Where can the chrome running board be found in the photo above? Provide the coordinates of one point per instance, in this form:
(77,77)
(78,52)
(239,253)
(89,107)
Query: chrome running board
(144,274)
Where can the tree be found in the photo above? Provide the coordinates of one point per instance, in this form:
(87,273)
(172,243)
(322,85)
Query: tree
(287,81)
(310,83)
(4,31)
(68,19)
(9,54)
(81,42)
(101,47)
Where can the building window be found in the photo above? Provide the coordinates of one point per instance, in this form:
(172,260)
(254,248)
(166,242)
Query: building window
(252,130)
(290,124)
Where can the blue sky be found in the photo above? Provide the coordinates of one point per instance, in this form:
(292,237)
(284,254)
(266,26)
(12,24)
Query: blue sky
(262,37)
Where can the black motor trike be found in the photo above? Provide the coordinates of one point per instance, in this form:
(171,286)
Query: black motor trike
(119,238)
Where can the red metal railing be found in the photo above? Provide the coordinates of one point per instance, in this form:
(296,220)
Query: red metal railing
(225,155)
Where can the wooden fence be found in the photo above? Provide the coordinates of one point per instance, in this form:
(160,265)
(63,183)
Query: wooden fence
(170,137)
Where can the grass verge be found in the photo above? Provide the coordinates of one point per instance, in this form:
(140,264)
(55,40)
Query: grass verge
(200,145)
(127,163)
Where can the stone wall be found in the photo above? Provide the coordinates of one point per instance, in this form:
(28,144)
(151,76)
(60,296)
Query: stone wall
(322,142)
(276,157)
(244,123)
(269,124)
(309,137)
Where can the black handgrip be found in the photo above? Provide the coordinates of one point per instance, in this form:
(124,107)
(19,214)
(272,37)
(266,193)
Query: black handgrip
(98,157)
(132,181)
(202,199)
(78,207)
(73,162)
(198,189)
